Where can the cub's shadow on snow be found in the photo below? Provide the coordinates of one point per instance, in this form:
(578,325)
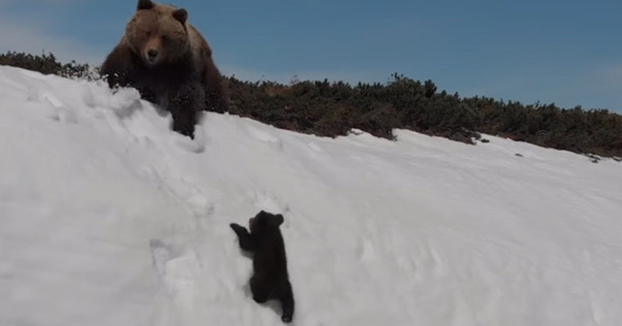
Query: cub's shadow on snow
(273,304)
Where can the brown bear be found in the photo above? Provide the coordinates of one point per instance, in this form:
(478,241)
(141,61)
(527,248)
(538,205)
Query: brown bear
(169,62)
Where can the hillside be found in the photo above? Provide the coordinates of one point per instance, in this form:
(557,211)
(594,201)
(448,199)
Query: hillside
(332,109)
(109,218)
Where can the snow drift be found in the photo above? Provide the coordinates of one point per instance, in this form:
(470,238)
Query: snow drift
(109,218)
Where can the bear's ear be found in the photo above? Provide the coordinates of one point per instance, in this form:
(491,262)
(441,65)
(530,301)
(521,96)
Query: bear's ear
(275,220)
(145,4)
(181,15)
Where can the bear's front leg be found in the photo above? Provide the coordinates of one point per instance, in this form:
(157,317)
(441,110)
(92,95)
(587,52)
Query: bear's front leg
(245,239)
(185,106)
(116,68)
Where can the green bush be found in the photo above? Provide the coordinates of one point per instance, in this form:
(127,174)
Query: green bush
(45,64)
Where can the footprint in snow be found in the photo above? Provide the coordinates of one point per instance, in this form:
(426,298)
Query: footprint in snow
(161,253)
(65,115)
(196,145)
(177,270)
(367,251)
(315,147)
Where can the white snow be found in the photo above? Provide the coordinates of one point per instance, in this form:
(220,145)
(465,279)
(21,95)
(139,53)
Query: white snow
(109,218)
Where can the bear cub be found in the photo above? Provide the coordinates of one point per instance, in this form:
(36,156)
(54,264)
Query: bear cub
(270,279)
(169,62)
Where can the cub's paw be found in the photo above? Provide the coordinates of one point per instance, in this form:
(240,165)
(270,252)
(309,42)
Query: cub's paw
(236,227)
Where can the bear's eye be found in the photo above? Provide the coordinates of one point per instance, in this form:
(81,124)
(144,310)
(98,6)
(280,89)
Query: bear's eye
(165,38)
(148,33)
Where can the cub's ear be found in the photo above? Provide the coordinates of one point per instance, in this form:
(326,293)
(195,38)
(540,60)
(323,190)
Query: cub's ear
(145,4)
(275,220)
(181,15)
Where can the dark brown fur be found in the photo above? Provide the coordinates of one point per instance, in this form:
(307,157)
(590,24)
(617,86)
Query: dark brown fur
(169,62)
(270,279)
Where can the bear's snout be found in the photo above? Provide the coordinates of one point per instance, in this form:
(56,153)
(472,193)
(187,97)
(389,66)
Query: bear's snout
(152,55)
(151,51)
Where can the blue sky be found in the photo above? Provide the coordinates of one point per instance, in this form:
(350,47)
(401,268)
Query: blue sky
(566,52)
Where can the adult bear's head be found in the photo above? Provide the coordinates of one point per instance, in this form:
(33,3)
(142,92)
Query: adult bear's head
(158,33)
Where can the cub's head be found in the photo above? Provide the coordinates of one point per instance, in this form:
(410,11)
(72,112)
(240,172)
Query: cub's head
(157,33)
(264,222)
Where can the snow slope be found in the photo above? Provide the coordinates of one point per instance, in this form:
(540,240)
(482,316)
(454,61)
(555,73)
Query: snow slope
(109,218)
